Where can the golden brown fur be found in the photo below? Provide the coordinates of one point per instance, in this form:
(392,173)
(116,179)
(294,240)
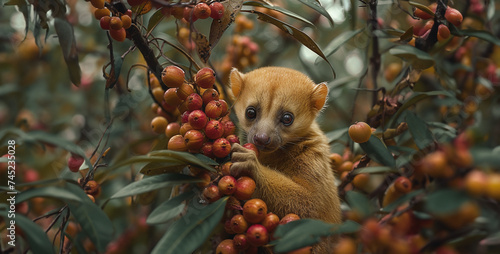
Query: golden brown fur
(292,171)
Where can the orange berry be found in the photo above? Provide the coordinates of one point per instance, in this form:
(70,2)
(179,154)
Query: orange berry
(422,14)
(360,132)
(99,4)
(127,21)
(173,76)
(453,16)
(99,13)
(443,33)
(119,35)
(159,124)
(493,186)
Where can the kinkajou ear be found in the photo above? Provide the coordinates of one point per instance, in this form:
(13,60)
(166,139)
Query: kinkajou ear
(319,95)
(236,82)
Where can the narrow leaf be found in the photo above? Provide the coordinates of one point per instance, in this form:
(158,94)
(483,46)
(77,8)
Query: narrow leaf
(336,134)
(422,7)
(315,5)
(305,232)
(360,203)
(201,161)
(67,41)
(445,201)
(377,151)
(419,96)
(48,191)
(279,9)
(340,40)
(156,168)
(94,222)
(169,209)
(416,57)
(155,19)
(295,33)
(191,231)
(419,130)
(401,200)
(154,183)
(36,237)
(483,35)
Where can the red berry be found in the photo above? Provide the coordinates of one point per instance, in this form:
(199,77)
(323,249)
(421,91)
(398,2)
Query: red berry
(227,185)
(226,247)
(197,119)
(252,147)
(209,95)
(245,187)
(257,235)
(202,11)
(211,193)
(189,15)
(288,218)
(119,35)
(214,129)
(233,139)
(229,128)
(241,242)
(74,162)
(205,78)
(207,149)
(443,33)
(213,109)
(194,139)
(104,22)
(221,148)
(217,10)
(422,14)
(194,102)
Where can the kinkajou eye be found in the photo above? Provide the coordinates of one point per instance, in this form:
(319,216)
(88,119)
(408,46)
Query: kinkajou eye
(287,119)
(251,113)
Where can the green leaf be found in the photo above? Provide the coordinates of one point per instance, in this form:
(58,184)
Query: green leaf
(445,201)
(419,96)
(189,232)
(279,9)
(155,19)
(416,57)
(316,5)
(58,141)
(94,222)
(401,200)
(485,157)
(377,151)
(483,35)
(188,158)
(8,89)
(300,233)
(295,33)
(339,41)
(336,134)
(306,232)
(376,170)
(157,168)
(360,203)
(36,237)
(419,130)
(407,35)
(422,7)
(154,183)
(169,209)
(48,191)
(67,41)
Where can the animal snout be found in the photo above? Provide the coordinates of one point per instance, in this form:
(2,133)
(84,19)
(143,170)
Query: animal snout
(261,139)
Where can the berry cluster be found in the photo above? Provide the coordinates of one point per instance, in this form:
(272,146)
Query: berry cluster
(451,15)
(247,220)
(112,21)
(193,12)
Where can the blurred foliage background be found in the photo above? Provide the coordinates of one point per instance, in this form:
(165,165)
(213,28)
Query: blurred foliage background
(48,116)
